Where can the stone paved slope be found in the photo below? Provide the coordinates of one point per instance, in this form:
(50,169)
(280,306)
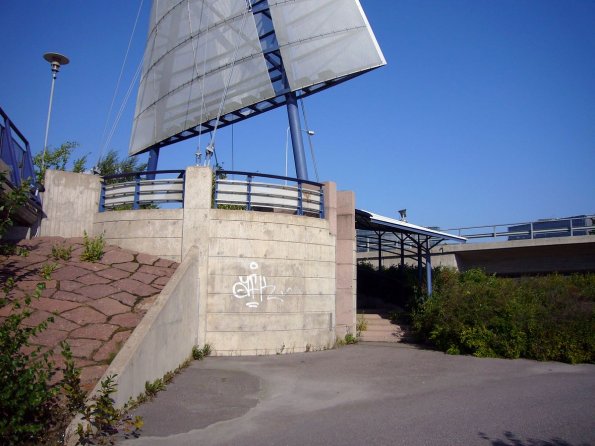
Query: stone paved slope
(95,305)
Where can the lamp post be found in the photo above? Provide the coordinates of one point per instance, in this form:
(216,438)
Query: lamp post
(308,132)
(55,61)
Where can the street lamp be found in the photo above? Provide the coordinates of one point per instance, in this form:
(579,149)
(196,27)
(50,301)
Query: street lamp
(55,61)
(308,132)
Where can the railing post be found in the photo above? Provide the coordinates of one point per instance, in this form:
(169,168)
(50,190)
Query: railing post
(216,194)
(570,227)
(183,176)
(249,193)
(136,204)
(321,202)
(102,197)
(531,230)
(300,199)
(11,154)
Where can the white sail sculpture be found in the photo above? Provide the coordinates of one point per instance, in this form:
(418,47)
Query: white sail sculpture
(209,63)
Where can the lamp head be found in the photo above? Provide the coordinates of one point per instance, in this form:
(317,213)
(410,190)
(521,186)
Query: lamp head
(56,60)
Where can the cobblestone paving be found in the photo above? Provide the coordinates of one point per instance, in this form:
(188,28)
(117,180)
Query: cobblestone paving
(95,305)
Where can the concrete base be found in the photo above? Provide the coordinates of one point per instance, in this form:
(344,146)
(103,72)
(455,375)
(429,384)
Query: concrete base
(269,282)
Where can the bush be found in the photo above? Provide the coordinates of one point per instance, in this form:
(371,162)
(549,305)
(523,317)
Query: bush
(61,252)
(544,318)
(93,248)
(201,353)
(26,398)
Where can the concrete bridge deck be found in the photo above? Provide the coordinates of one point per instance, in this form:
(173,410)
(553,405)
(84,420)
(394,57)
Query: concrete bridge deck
(515,257)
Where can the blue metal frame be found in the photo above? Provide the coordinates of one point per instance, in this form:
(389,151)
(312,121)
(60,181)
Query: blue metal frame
(299,155)
(21,167)
(136,202)
(152,164)
(249,193)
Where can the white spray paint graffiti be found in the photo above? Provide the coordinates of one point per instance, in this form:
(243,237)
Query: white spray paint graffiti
(254,287)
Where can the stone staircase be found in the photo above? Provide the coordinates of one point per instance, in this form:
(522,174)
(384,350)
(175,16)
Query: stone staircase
(381,329)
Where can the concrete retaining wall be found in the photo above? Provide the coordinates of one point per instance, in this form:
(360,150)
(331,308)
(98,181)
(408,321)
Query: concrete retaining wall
(164,338)
(152,231)
(70,202)
(270,282)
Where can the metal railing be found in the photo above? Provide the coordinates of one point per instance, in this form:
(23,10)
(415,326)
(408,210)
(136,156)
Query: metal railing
(15,157)
(278,194)
(558,227)
(136,190)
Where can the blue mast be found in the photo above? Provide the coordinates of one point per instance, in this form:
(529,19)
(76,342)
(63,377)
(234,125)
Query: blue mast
(295,127)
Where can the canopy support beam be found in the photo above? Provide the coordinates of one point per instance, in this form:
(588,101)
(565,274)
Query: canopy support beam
(152,164)
(301,169)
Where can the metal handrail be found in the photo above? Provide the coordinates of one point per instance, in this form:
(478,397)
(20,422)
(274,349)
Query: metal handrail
(136,191)
(292,196)
(17,157)
(570,226)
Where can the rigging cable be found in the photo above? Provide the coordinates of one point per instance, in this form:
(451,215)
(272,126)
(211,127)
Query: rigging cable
(308,131)
(211,145)
(123,105)
(103,140)
(195,68)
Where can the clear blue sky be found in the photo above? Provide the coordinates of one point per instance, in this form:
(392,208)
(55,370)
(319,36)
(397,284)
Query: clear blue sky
(484,114)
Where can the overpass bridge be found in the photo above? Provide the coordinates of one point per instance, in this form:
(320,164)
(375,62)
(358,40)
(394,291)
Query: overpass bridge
(555,245)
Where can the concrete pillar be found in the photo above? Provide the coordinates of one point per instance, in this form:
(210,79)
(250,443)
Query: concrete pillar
(346,268)
(195,232)
(330,205)
(70,202)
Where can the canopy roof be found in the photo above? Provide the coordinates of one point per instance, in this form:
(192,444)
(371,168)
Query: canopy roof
(378,223)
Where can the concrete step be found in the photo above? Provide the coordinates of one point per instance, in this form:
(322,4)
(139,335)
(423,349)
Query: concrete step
(381,329)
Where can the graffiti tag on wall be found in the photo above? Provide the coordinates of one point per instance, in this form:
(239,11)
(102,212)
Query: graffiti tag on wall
(255,289)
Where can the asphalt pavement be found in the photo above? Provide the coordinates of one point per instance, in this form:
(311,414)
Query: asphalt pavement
(373,394)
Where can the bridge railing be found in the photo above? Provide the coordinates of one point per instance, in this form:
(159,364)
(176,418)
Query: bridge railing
(559,227)
(16,160)
(136,190)
(252,192)
(264,192)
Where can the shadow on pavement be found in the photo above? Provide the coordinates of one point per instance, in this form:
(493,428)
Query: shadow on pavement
(511,439)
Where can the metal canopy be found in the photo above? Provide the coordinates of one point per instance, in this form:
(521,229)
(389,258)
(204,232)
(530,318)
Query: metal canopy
(400,238)
(379,223)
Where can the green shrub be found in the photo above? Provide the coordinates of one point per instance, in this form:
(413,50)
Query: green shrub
(350,339)
(361,324)
(544,318)
(93,248)
(200,353)
(26,399)
(47,269)
(11,200)
(61,252)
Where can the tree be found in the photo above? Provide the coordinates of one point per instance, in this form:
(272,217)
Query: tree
(111,164)
(57,159)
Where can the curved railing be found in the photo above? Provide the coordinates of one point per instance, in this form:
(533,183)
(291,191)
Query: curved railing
(277,194)
(251,192)
(136,190)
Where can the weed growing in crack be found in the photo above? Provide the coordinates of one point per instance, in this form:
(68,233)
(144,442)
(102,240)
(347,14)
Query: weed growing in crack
(93,248)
